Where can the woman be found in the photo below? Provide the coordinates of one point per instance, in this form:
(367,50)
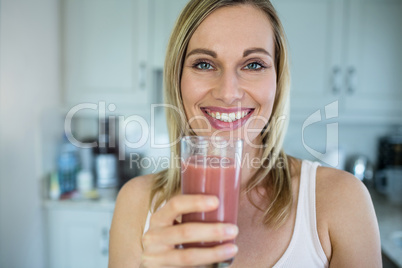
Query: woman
(226,56)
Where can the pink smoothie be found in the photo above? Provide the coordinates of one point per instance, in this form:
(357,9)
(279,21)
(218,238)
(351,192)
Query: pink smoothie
(212,176)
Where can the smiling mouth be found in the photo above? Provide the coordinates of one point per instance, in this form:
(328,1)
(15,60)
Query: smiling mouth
(227,117)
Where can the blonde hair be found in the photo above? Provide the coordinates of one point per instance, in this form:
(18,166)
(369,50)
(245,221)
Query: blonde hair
(275,164)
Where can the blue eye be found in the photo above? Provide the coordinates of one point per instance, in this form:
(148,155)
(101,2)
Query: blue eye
(253,66)
(203,66)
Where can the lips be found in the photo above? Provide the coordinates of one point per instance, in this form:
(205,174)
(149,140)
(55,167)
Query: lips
(227,118)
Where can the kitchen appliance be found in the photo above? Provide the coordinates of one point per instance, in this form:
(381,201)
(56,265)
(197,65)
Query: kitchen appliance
(362,168)
(390,150)
(388,179)
(389,182)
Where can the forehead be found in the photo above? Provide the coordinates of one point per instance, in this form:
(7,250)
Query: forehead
(235,27)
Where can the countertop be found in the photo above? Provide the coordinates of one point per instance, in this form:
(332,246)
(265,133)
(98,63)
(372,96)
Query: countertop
(98,200)
(390,223)
(93,205)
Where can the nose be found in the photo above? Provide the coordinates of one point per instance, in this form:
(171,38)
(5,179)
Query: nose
(227,89)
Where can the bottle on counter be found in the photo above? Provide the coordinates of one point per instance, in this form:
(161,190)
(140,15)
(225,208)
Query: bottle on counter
(85,177)
(105,155)
(67,167)
(85,182)
(54,187)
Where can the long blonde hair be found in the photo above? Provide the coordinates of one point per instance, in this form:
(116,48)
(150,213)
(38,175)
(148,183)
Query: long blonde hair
(275,164)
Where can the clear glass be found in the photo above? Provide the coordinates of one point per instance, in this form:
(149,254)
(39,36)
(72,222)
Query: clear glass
(211,166)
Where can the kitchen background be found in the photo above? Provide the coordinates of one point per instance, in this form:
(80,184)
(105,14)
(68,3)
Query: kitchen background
(108,55)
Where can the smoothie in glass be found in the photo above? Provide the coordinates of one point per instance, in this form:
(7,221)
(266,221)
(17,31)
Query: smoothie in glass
(217,176)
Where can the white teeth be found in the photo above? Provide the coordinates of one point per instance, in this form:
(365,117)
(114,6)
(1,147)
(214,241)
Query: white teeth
(232,117)
(228,117)
(224,117)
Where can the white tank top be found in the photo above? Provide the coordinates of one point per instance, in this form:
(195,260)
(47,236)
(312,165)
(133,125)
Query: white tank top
(305,248)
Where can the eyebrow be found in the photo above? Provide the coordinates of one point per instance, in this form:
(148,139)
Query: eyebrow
(255,50)
(202,51)
(214,55)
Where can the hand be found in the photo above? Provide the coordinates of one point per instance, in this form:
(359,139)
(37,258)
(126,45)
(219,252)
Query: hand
(163,235)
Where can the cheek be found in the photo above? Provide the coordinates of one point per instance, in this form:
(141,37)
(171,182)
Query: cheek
(271,95)
(185,87)
(265,95)
(191,95)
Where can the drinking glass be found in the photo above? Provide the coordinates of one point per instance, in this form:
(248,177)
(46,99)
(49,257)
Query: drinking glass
(211,166)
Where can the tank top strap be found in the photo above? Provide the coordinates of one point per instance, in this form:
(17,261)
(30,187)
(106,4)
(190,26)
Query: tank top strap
(147,221)
(308,180)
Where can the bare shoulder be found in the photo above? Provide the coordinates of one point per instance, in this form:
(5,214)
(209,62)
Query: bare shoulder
(345,210)
(129,217)
(133,197)
(135,189)
(339,187)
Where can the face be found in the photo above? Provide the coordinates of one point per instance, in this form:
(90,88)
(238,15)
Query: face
(228,82)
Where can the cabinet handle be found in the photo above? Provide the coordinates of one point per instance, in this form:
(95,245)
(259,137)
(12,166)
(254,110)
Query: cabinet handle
(104,242)
(351,80)
(142,76)
(336,80)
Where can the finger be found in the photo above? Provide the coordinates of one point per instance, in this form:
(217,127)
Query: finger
(165,238)
(192,256)
(182,204)
(192,232)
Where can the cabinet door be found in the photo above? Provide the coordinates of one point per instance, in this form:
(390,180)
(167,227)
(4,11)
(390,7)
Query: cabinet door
(78,239)
(374,80)
(105,51)
(314,31)
(164,16)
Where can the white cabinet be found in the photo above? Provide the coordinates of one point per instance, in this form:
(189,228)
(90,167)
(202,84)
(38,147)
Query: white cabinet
(106,52)
(312,32)
(374,57)
(78,234)
(345,50)
(164,16)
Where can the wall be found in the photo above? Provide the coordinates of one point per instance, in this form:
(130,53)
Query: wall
(360,138)
(29,88)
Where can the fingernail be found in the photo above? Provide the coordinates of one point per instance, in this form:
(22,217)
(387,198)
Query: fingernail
(212,201)
(231,249)
(231,230)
